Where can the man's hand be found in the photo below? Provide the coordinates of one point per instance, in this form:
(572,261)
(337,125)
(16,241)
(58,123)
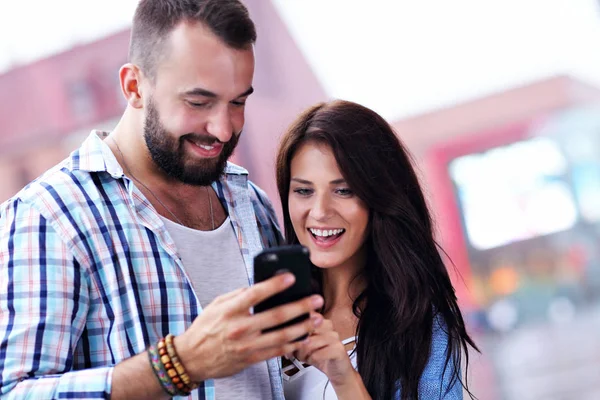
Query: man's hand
(226,338)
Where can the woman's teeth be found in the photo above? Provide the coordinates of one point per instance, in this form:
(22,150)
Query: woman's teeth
(326,233)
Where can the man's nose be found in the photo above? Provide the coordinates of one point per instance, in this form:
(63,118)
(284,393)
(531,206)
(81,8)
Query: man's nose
(219,124)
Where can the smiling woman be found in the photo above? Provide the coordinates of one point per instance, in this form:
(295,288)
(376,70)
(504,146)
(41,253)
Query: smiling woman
(350,194)
(327,216)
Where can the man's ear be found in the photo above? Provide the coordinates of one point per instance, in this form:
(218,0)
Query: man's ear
(130,77)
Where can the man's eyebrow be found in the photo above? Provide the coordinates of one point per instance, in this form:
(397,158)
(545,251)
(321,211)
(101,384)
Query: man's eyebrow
(207,93)
(247,92)
(200,92)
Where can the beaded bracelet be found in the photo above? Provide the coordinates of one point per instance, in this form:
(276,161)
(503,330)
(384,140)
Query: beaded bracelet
(169,366)
(182,374)
(160,372)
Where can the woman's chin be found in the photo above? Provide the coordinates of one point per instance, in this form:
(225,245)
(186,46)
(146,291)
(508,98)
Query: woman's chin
(324,263)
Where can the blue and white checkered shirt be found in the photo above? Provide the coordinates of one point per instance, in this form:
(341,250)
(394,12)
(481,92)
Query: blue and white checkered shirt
(89,276)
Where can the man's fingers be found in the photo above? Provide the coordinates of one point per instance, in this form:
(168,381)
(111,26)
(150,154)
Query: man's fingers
(285,335)
(224,297)
(253,325)
(274,352)
(262,291)
(273,344)
(288,312)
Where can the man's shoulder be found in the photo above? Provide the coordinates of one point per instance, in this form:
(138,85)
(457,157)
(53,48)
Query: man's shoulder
(234,169)
(75,174)
(259,195)
(265,216)
(264,212)
(58,189)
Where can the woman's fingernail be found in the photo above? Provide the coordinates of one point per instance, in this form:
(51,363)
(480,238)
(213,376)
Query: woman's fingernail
(317,320)
(317,301)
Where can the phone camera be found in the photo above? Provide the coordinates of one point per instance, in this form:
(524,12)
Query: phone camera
(282,271)
(271,257)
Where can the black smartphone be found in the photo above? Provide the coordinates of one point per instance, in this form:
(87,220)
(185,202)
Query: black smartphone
(278,260)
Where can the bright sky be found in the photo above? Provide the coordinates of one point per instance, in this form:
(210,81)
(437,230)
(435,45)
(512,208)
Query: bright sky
(400,57)
(32,29)
(404,57)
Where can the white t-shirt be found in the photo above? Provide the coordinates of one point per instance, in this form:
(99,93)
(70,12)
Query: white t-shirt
(214,263)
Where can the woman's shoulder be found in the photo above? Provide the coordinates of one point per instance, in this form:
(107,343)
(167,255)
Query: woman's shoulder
(439,348)
(439,331)
(440,373)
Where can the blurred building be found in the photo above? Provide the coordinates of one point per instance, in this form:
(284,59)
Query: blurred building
(513,180)
(48,107)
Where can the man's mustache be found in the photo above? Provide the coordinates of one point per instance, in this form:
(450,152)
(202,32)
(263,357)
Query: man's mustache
(205,139)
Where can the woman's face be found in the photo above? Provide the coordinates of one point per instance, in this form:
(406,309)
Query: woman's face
(327,217)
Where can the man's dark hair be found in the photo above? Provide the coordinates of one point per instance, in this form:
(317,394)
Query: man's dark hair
(154,20)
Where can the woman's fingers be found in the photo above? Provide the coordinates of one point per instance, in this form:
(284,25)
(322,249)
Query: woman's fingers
(316,342)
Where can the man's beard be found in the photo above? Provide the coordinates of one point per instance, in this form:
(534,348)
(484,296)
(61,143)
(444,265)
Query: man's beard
(168,153)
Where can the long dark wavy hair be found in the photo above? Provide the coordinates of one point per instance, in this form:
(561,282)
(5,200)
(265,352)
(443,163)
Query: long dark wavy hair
(407,284)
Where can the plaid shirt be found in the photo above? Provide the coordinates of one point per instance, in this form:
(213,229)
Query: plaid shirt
(89,276)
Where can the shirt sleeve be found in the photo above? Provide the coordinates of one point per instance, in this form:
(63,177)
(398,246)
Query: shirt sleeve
(44,302)
(437,380)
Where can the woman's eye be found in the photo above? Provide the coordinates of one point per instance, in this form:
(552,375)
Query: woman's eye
(303,191)
(344,192)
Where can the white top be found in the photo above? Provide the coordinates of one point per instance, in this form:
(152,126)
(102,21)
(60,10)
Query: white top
(214,263)
(309,383)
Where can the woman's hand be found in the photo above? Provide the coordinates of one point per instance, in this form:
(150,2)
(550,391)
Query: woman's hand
(325,351)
